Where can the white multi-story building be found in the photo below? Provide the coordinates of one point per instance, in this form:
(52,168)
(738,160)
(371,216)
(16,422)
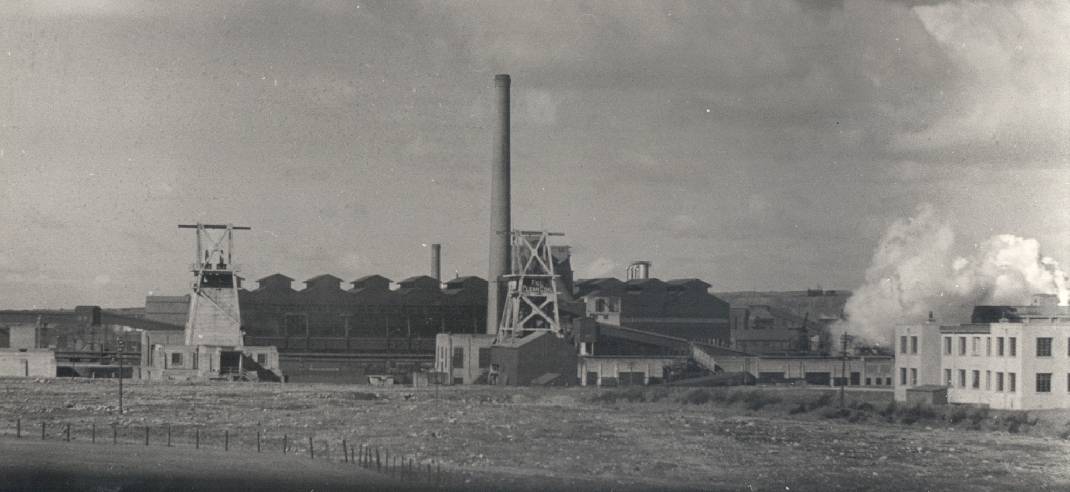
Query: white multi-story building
(1009,358)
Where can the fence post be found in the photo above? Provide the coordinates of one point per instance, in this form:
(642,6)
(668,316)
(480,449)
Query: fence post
(18,428)
(311,452)
(284,444)
(67,433)
(258,441)
(327,450)
(386,454)
(226,440)
(42,431)
(378,464)
(146,435)
(345,451)
(115,433)
(93,432)
(169,434)
(197,438)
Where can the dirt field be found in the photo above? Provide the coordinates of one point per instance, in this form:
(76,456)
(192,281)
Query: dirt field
(547,438)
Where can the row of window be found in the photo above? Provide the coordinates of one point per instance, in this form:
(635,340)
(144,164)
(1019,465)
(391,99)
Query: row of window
(1011,380)
(1010,348)
(1043,380)
(903,344)
(177,360)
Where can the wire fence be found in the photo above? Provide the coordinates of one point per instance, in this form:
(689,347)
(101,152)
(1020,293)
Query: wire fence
(340,449)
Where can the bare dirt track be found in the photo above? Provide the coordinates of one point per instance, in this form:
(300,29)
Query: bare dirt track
(547,438)
(44,466)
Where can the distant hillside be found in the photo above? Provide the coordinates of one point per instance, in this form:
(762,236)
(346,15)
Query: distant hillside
(819,304)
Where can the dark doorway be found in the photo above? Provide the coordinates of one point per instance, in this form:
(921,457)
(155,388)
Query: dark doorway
(229,362)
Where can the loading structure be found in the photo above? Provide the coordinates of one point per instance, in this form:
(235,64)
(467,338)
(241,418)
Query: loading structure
(531,301)
(214,346)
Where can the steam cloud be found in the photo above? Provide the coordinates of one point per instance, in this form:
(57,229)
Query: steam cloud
(915,270)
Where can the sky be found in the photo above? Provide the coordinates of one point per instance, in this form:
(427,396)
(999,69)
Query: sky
(755,145)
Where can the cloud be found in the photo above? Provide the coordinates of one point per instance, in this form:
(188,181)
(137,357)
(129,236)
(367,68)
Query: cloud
(91,8)
(1010,99)
(600,267)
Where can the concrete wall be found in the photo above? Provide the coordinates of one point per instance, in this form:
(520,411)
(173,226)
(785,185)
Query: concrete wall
(605,371)
(23,337)
(1025,364)
(538,354)
(469,371)
(917,356)
(217,319)
(30,363)
(875,371)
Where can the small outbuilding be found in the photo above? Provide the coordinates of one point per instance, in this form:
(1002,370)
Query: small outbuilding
(931,394)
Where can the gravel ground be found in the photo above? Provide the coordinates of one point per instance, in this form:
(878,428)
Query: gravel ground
(556,438)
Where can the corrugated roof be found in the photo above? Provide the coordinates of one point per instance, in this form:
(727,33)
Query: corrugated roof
(369,277)
(323,278)
(274,276)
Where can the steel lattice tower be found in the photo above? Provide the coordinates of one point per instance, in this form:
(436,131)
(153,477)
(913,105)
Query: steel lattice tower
(531,303)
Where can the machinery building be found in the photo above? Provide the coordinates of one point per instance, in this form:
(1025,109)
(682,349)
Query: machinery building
(1007,357)
(875,370)
(681,308)
(784,321)
(21,355)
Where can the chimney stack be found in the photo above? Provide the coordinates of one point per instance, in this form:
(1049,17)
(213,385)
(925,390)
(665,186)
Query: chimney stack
(436,261)
(500,227)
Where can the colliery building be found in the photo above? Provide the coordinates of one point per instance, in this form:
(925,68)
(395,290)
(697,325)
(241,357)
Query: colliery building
(373,316)
(369,316)
(1007,357)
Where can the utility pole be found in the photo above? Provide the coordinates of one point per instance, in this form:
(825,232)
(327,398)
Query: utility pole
(120,344)
(843,367)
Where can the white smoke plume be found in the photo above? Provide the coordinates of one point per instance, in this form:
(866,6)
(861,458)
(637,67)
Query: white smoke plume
(916,270)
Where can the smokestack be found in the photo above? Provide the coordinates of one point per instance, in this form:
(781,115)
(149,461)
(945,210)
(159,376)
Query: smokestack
(436,261)
(500,226)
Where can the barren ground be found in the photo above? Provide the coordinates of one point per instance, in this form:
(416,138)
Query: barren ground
(544,438)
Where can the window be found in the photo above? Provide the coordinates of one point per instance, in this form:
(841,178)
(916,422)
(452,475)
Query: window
(888,381)
(913,345)
(1012,383)
(962,345)
(903,344)
(903,376)
(999,381)
(1013,347)
(458,357)
(962,378)
(988,346)
(869,381)
(1044,348)
(176,359)
(976,379)
(999,346)
(976,348)
(947,376)
(261,359)
(484,358)
(600,306)
(947,345)
(988,380)
(1043,382)
(913,377)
